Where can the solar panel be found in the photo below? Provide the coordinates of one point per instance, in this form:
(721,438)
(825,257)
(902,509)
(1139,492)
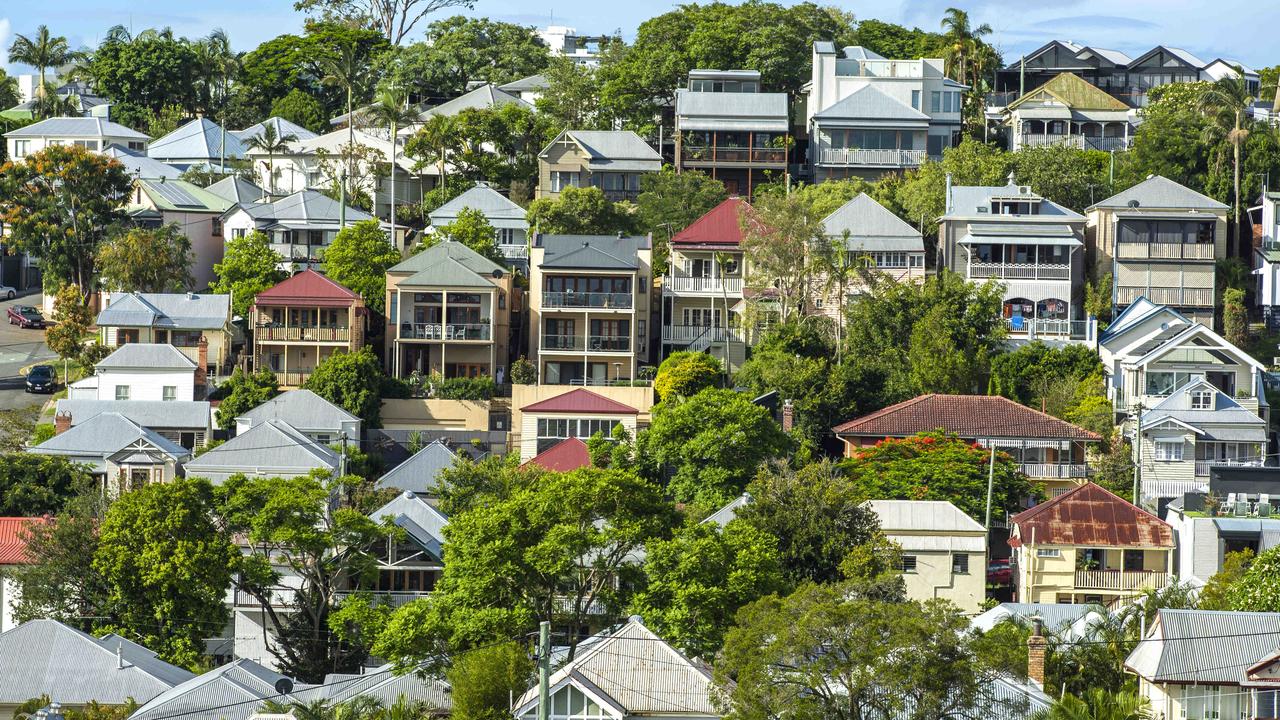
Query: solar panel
(176,195)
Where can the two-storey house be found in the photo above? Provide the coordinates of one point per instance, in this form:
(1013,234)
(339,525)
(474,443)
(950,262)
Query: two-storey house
(1088,546)
(702,290)
(878,246)
(302,321)
(1031,245)
(91,133)
(308,413)
(197,324)
(868,115)
(300,225)
(1069,112)
(944,551)
(727,128)
(507,218)
(1159,240)
(196,212)
(149,372)
(590,301)
(449,312)
(120,454)
(612,160)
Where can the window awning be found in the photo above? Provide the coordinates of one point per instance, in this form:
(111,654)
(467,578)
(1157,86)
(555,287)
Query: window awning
(1139,215)
(1043,113)
(971,239)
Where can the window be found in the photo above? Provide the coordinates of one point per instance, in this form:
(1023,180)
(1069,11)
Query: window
(1048,552)
(137,145)
(907,563)
(1164,383)
(915,99)
(935,101)
(1265,704)
(917,260)
(122,392)
(170,392)
(1201,702)
(21,148)
(561,179)
(1133,561)
(86,144)
(960,564)
(1169,450)
(1202,400)
(216,227)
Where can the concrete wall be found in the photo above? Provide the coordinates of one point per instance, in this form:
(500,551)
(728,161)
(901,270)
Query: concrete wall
(436,414)
(933,579)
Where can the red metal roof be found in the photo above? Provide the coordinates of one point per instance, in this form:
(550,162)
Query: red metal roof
(567,455)
(720,226)
(971,417)
(307,287)
(13,550)
(1091,515)
(582,402)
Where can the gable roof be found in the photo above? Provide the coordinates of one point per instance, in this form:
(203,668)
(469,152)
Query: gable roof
(580,401)
(1091,515)
(1133,315)
(229,692)
(386,686)
(181,196)
(151,414)
(1159,192)
(968,416)
(614,150)
(1209,423)
(137,164)
(1204,646)
(482,197)
(591,252)
(421,472)
(872,103)
(871,226)
(310,288)
(86,127)
(268,448)
(237,190)
(418,518)
(729,512)
(300,409)
(1177,53)
(449,264)
(532,82)
(1057,617)
(13,548)
(721,226)
(565,456)
(282,127)
(184,311)
(305,208)
(923,516)
(42,657)
(200,139)
(1074,92)
(1154,350)
(147,356)
(483,97)
(966,199)
(106,434)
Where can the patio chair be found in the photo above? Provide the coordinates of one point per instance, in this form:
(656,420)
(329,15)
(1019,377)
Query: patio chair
(1242,508)
(1264,505)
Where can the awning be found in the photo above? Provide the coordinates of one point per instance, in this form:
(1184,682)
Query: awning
(734,125)
(970,239)
(859,123)
(625,165)
(1236,434)
(1238,525)
(1139,215)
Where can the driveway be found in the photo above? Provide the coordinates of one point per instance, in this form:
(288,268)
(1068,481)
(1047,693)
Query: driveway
(18,349)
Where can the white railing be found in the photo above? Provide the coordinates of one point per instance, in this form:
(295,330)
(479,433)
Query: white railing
(1202,466)
(437,331)
(1119,579)
(385,597)
(689,333)
(1040,327)
(1195,297)
(1165,251)
(1082,142)
(1055,471)
(1019,271)
(711,285)
(616,301)
(308,334)
(514,252)
(885,158)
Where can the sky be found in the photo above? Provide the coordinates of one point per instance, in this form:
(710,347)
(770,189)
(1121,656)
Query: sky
(1234,29)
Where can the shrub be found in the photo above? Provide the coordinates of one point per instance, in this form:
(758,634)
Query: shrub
(465,388)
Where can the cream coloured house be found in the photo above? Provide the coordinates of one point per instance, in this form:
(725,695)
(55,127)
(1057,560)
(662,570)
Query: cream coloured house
(578,413)
(612,160)
(944,551)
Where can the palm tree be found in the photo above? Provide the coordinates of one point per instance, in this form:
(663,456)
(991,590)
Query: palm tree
(1225,103)
(41,52)
(269,142)
(438,133)
(962,40)
(391,108)
(218,64)
(1098,704)
(346,70)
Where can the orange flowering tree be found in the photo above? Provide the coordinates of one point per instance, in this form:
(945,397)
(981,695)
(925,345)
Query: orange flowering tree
(940,466)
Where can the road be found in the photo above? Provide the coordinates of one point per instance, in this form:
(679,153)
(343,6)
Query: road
(18,349)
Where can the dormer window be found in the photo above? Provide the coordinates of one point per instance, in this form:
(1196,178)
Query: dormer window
(1202,400)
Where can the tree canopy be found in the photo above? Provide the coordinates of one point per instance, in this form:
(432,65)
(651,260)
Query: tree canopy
(353,381)
(146,260)
(359,258)
(248,267)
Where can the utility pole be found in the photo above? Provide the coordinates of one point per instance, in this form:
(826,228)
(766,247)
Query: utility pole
(1137,465)
(342,200)
(544,669)
(342,461)
(991,485)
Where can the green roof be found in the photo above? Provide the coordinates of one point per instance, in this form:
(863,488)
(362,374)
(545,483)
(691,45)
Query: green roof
(182,196)
(1075,92)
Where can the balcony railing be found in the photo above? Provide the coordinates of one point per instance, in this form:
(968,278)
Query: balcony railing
(1019,271)
(879,158)
(1041,327)
(702,285)
(619,195)
(436,331)
(292,379)
(1082,142)
(605,301)
(593,343)
(1183,297)
(308,334)
(689,333)
(761,156)
(1202,466)
(1164,251)
(390,598)
(514,252)
(1055,471)
(1119,579)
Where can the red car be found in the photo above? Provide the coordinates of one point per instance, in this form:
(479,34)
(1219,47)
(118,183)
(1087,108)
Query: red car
(999,572)
(25,316)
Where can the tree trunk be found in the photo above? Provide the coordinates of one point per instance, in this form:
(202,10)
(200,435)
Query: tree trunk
(394,241)
(1235,149)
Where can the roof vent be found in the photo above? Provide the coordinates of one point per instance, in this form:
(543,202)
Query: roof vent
(586,244)
(284,685)
(621,235)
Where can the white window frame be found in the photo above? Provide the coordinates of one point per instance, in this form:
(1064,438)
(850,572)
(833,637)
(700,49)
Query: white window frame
(169,393)
(1048,552)
(1202,400)
(122,392)
(1167,450)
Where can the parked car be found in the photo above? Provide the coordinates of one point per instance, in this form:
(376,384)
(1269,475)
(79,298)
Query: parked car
(25,316)
(7,292)
(999,572)
(42,379)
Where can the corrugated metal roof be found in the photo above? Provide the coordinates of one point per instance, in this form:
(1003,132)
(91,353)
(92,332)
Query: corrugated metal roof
(152,414)
(871,227)
(421,472)
(139,165)
(483,198)
(301,409)
(696,109)
(580,401)
(424,523)
(237,190)
(1090,515)
(721,225)
(149,356)
(1160,192)
(471,261)
(282,127)
(383,685)
(729,512)
(182,311)
(1204,646)
(484,97)
(270,448)
(1056,617)
(565,456)
(200,139)
(938,516)
(966,199)
(307,287)
(13,549)
(182,196)
(592,252)
(224,693)
(614,145)
(870,102)
(533,82)
(972,417)
(106,434)
(87,127)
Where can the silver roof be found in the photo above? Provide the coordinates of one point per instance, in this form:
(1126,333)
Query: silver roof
(301,409)
(966,199)
(532,82)
(147,356)
(87,127)
(484,97)
(229,692)
(449,264)
(106,434)
(183,311)
(139,165)
(1056,617)
(421,472)
(282,127)
(1159,192)
(872,227)
(305,208)
(729,512)
(200,139)
(615,150)
(1204,646)
(766,112)
(1215,422)
(237,189)
(493,204)
(271,448)
(598,252)
(871,103)
(384,685)
(421,521)
(923,516)
(153,414)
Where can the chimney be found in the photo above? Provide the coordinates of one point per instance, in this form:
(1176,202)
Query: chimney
(202,361)
(120,654)
(1036,645)
(947,199)
(788,416)
(61,423)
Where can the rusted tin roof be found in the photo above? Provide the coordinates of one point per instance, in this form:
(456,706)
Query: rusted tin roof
(1090,515)
(971,417)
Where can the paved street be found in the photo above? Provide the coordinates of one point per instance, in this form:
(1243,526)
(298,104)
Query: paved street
(18,349)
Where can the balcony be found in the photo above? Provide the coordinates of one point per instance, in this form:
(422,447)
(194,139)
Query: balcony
(696,154)
(1080,142)
(1175,296)
(1019,271)
(440,332)
(514,252)
(580,343)
(1120,579)
(393,599)
(876,158)
(1203,466)
(620,195)
(270,333)
(684,334)
(1164,251)
(687,285)
(1041,327)
(587,300)
(1055,471)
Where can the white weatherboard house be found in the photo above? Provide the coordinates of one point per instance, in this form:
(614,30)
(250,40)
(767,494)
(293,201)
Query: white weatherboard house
(188,423)
(139,372)
(269,449)
(91,133)
(944,551)
(506,217)
(120,453)
(300,225)
(306,412)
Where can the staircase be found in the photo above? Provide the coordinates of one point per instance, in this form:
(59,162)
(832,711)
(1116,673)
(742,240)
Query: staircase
(702,342)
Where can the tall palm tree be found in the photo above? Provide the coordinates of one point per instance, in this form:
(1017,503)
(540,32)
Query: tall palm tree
(391,108)
(347,70)
(439,134)
(218,63)
(42,52)
(1098,704)
(269,142)
(962,40)
(1225,103)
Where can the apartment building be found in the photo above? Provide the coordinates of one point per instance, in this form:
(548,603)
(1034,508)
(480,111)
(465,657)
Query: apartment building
(301,322)
(727,128)
(590,306)
(868,115)
(612,160)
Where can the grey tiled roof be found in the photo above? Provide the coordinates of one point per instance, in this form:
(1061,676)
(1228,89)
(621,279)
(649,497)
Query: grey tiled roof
(151,414)
(871,104)
(237,189)
(106,434)
(224,693)
(200,139)
(301,409)
(597,252)
(151,356)
(495,207)
(270,448)
(872,227)
(1160,192)
(193,311)
(139,165)
(86,127)
(1204,646)
(420,473)
(282,127)
(42,657)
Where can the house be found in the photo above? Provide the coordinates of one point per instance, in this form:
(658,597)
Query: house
(1088,545)
(449,311)
(300,226)
(702,290)
(1159,240)
(140,372)
(420,474)
(237,190)
(1069,622)
(200,143)
(138,165)
(612,160)
(1030,245)
(506,217)
(13,554)
(301,322)
(386,686)
(727,128)
(1210,526)
(528,89)
(565,456)
(1069,112)
(120,454)
(409,566)
(590,307)
(484,96)
(194,210)
(1205,664)
(868,115)
(1048,450)
(564,41)
(92,133)
(45,657)
(267,449)
(944,551)
(185,422)
(625,673)
(82,99)
(578,413)
(874,240)
(307,413)
(235,691)
(197,324)
(282,128)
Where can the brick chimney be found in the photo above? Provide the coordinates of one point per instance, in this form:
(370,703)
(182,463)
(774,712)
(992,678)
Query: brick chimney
(788,416)
(1036,646)
(202,361)
(61,423)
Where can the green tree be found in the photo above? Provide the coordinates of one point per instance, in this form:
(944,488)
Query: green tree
(1025,373)
(302,109)
(1258,589)
(248,267)
(359,258)
(1226,103)
(243,392)
(271,143)
(776,236)
(471,228)
(963,50)
(353,382)
(922,193)
(686,373)
(1068,176)
(297,62)
(459,50)
(59,205)
(168,566)
(572,98)
(1218,592)
(669,202)
(73,322)
(146,260)
(393,19)
(1235,317)
(1099,704)
(432,144)
(145,72)
(42,52)
(713,442)
(35,485)
(9,95)
(59,581)
(698,579)
(391,109)
(579,211)
(482,681)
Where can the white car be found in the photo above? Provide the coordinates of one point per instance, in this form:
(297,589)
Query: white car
(7,292)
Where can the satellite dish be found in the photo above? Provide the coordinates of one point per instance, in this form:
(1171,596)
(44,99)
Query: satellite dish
(284,685)
(497,273)
(1134,203)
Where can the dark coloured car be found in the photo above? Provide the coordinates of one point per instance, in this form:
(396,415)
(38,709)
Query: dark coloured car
(999,572)
(25,316)
(42,379)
